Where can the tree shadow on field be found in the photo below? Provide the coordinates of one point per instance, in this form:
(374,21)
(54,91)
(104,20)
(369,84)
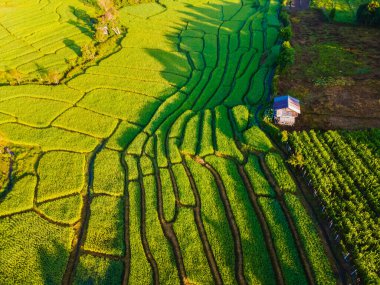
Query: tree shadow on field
(53,259)
(84,23)
(73,46)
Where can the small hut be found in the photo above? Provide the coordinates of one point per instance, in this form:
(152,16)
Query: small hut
(285,110)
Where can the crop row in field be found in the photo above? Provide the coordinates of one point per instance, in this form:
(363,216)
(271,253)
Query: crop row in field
(339,166)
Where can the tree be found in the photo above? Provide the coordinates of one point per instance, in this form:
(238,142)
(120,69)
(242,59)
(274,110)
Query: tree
(369,14)
(296,159)
(286,57)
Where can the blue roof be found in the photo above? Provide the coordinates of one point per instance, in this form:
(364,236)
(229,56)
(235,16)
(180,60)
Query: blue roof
(287,101)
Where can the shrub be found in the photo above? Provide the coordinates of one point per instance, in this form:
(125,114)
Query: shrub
(286,33)
(369,14)
(286,57)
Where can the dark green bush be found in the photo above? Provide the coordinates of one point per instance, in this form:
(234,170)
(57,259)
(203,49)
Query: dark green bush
(286,57)
(286,33)
(369,14)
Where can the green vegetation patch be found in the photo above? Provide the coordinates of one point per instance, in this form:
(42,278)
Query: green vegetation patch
(84,121)
(33,111)
(40,257)
(98,270)
(311,241)
(20,197)
(258,180)
(278,169)
(120,104)
(257,140)
(108,173)
(61,173)
(50,138)
(65,210)
(283,242)
(105,232)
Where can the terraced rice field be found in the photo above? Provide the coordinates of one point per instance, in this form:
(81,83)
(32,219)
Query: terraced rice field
(150,167)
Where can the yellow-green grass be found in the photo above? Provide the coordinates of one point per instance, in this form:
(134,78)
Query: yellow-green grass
(120,104)
(140,271)
(108,173)
(21,197)
(215,221)
(158,244)
(105,233)
(257,264)
(98,270)
(311,241)
(168,198)
(132,169)
(61,173)
(90,123)
(225,143)
(278,169)
(33,111)
(59,92)
(123,136)
(33,254)
(241,116)
(186,196)
(48,139)
(206,144)
(258,181)
(64,210)
(34,34)
(190,139)
(284,244)
(257,140)
(194,259)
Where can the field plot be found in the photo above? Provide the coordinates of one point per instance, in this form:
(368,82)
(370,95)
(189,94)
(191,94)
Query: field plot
(150,166)
(343,168)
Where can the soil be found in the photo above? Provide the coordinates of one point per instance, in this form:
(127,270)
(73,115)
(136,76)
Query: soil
(336,74)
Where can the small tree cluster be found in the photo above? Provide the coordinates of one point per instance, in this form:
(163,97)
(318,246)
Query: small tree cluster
(108,21)
(286,57)
(369,14)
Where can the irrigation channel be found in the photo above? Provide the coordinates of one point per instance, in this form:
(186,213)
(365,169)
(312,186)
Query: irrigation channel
(146,172)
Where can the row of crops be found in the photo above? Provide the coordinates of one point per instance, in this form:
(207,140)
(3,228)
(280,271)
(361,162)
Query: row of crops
(150,168)
(345,10)
(343,168)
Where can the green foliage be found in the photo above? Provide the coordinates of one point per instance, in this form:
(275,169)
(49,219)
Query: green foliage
(158,244)
(343,168)
(258,269)
(284,244)
(369,13)
(61,173)
(21,197)
(286,33)
(215,221)
(40,257)
(241,115)
(65,210)
(98,270)
(168,197)
(258,181)
(105,232)
(186,196)
(311,241)
(277,166)
(256,140)
(286,57)
(140,271)
(108,174)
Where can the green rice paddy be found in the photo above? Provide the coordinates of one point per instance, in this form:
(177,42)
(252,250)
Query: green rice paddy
(146,167)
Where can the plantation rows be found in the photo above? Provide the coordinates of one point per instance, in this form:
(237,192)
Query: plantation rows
(343,168)
(150,168)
